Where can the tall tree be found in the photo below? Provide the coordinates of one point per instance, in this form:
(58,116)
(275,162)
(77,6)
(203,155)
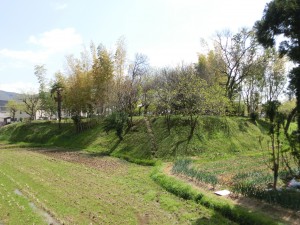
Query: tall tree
(102,75)
(40,73)
(282,17)
(208,68)
(137,69)
(275,75)
(238,53)
(120,58)
(56,93)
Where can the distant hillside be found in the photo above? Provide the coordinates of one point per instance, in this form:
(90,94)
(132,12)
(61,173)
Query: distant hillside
(2,103)
(5,96)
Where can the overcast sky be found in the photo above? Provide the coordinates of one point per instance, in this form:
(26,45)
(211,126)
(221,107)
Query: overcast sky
(167,31)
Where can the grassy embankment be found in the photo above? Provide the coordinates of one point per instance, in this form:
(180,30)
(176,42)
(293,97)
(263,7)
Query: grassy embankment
(214,136)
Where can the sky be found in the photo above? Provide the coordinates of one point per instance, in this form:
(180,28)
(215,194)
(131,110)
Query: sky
(169,32)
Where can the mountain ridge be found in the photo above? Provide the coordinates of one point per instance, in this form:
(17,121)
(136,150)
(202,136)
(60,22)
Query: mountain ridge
(6,95)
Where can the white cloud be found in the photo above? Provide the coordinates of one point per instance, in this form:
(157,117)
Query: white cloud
(57,40)
(60,6)
(28,56)
(49,43)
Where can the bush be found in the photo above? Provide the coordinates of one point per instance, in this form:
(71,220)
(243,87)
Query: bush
(116,121)
(143,162)
(253,185)
(184,166)
(254,116)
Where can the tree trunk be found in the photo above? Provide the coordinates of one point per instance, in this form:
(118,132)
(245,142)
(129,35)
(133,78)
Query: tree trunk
(276,168)
(59,112)
(168,121)
(297,76)
(193,123)
(289,120)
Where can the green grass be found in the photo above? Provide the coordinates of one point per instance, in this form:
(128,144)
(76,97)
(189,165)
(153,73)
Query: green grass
(214,136)
(117,193)
(245,173)
(48,134)
(15,209)
(235,213)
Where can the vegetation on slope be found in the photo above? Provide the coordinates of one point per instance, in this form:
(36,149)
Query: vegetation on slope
(213,135)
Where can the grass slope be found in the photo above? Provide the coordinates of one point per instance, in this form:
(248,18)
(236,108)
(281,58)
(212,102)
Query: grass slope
(75,193)
(215,136)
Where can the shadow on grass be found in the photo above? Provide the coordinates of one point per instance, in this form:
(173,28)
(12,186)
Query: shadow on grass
(105,153)
(215,218)
(263,125)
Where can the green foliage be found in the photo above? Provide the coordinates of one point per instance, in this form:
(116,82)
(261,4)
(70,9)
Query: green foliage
(238,58)
(56,92)
(253,184)
(287,107)
(213,135)
(185,191)
(144,162)
(184,166)
(13,107)
(254,116)
(271,109)
(281,17)
(116,121)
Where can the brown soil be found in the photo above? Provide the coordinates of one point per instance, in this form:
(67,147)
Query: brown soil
(143,219)
(275,212)
(108,164)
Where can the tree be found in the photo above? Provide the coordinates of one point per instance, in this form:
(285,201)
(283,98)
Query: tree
(13,106)
(137,69)
(276,123)
(195,97)
(147,93)
(166,82)
(207,68)
(238,54)
(282,17)
(31,103)
(253,85)
(56,93)
(120,58)
(77,90)
(274,76)
(40,72)
(102,77)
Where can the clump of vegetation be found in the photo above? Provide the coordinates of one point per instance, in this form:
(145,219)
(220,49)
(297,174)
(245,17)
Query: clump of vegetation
(116,121)
(253,184)
(183,166)
(235,213)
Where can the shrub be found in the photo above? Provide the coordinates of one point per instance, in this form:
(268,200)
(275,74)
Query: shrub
(116,121)
(184,166)
(253,185)
(254,116)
